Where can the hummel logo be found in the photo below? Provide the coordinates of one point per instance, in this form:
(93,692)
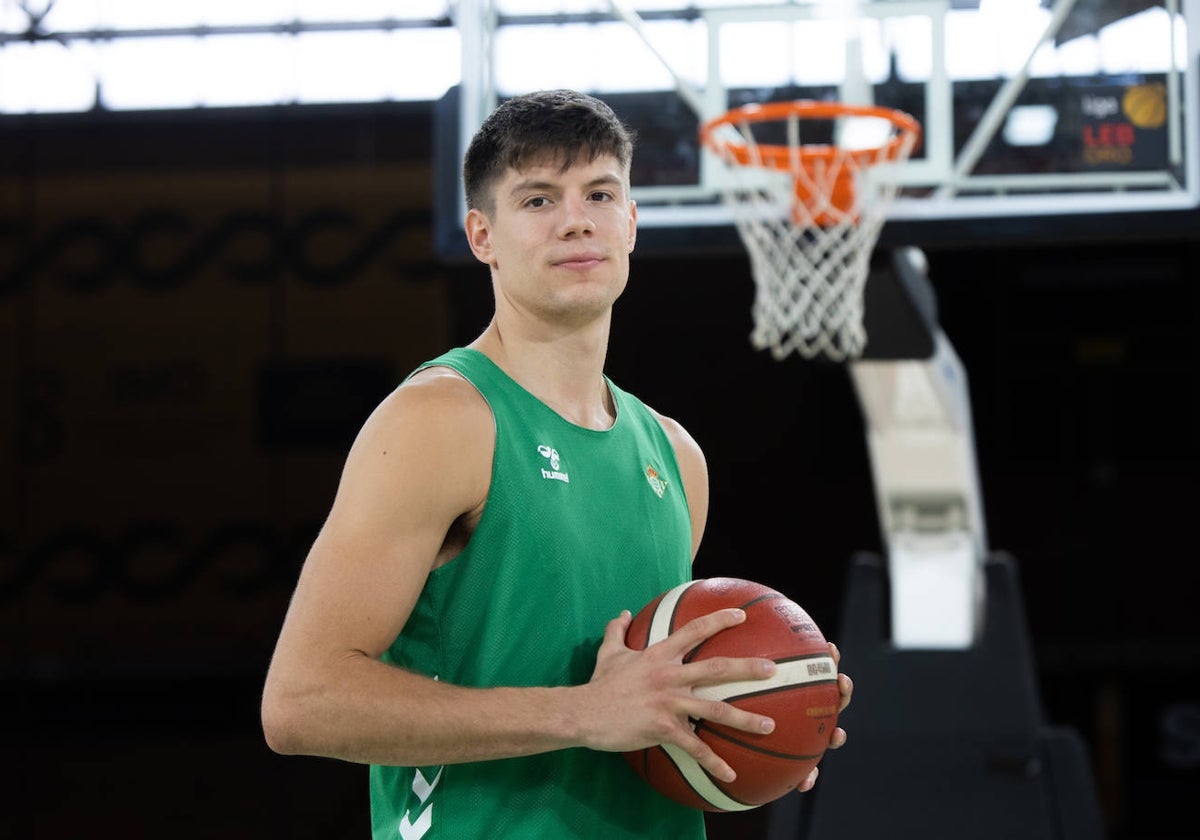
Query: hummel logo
(422,787)
(554,472)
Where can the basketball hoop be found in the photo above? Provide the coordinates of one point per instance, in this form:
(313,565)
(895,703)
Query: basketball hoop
(809,213)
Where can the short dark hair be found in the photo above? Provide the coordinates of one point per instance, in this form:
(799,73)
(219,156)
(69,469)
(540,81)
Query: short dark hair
(562,122)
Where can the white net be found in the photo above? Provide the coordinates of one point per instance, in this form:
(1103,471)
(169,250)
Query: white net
(809,216)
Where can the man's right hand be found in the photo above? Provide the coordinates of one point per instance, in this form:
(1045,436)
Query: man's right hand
(641,698)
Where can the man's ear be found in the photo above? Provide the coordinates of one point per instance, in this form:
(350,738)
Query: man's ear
(479,235)
(632,225)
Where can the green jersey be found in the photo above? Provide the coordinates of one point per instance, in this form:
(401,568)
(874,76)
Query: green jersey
(579,524)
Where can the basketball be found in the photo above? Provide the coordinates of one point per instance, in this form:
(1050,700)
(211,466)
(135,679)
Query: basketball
(802,696)
(1146,105)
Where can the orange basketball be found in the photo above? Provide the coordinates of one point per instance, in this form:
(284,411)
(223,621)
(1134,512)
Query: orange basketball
(1146,105)
(802,696)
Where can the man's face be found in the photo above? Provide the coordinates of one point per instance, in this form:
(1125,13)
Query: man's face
(558,242)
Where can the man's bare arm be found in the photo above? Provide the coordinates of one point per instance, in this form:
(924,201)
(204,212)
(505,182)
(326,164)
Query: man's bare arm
(422,463)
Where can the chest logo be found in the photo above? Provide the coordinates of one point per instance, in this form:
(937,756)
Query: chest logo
(657,483)
(554,473)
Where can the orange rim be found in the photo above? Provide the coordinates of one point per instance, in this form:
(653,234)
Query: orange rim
(784,157)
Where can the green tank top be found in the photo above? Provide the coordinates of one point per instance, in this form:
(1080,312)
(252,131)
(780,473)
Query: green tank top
(579,524)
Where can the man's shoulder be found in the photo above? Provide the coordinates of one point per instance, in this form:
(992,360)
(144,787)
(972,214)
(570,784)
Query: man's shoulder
(436,395)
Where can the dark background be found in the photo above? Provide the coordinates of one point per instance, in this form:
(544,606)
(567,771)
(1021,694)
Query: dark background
(197,311)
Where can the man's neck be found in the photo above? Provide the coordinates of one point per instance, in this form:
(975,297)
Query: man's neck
(566,373)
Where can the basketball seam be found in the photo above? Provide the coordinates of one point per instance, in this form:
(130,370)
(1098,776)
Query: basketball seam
(775,689)
(754,747)
(700,781)
(789,673)
(664,614)
(645,640)
(766,596)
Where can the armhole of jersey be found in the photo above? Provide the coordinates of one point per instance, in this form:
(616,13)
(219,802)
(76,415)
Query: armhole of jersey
(464,378)
(441,363)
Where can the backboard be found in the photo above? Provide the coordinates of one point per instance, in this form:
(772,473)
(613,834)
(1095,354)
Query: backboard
(1065,109)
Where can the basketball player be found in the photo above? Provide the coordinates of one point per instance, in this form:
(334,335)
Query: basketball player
(459,622)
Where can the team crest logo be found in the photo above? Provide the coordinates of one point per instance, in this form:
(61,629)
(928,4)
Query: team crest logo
(657,483)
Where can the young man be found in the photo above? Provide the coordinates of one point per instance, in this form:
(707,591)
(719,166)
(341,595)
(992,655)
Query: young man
(459,622)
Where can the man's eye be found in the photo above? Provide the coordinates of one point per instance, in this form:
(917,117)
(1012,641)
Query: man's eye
(601,196)
(536,201)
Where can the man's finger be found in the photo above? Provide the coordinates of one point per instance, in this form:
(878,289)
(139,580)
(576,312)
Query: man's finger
(697,630)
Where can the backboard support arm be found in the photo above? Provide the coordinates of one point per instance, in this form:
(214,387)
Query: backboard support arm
(913,392)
